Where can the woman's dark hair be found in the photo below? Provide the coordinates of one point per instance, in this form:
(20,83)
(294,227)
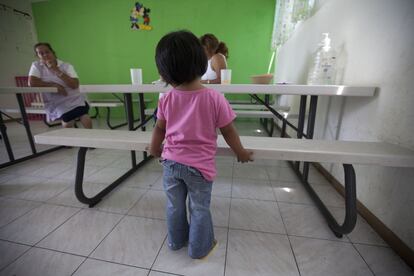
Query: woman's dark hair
(222,49)
(180,58)
(210,41)
(44,44)
(213,45)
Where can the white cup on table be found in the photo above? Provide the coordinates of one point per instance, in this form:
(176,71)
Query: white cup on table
(136,76)
(225,75)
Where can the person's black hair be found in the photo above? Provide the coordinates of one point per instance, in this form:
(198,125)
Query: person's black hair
(180,58)
(44,44)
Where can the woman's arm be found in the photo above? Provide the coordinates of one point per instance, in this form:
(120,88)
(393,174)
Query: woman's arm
(158,135)
(218,62)
(37,82)
(233,140)
(69,81)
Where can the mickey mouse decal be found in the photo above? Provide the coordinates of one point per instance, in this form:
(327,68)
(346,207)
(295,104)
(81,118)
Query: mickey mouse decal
(137,12)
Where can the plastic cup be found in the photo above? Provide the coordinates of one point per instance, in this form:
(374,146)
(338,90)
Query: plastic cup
(225,75)
(136,76)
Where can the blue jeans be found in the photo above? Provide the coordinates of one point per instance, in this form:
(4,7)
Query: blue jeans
(179,181)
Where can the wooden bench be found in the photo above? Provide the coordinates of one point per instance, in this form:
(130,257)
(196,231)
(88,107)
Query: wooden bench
(343,152)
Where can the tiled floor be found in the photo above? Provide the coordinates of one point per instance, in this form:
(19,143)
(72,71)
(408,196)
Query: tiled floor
(264,221)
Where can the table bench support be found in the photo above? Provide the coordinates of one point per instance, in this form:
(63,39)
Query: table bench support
(80,168)
(350,202)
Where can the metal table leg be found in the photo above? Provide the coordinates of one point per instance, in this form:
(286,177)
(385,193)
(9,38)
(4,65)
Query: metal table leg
(25,121)
(350,203)
(142,116)
(310,130)
(130,119)
(80,168)
(3,130)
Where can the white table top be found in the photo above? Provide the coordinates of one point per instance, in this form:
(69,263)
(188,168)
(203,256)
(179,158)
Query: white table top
(15,90)
(275,89)
(345,152)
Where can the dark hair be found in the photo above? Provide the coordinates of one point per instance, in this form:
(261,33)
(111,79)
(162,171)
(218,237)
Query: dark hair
(222,49)
(180,58)
(213,45)
(44,44)
(210,41)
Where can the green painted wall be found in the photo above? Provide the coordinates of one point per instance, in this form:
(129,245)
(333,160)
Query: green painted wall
(95,36)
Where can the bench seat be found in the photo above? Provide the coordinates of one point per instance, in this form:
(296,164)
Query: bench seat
(345,152)
(28,110)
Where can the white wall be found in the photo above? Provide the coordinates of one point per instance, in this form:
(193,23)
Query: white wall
(376,41)
(17,37)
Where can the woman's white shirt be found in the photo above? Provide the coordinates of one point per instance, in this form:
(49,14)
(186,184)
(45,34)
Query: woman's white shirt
(55,104)
(210,74)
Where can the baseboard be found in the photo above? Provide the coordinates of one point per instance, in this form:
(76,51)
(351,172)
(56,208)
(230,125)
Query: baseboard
(403,250)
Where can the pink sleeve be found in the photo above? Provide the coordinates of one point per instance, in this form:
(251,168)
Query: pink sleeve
(225,114)
(160,110)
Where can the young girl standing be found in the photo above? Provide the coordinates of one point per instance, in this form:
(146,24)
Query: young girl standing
(188,118)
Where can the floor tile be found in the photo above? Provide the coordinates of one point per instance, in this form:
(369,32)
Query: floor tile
(180,263)
(142,179)
(68,198)
(134,241)
(70,174)
(44,191)
(42,262)
(256,215)
(306,221)
(13,187)
(225,171)
(291,192)
(322,257)
(10,209)
(363,233)
(222,186)
(158,185)
(82,233)
(315,177)
(151,205)
(220,211)
(253,253)
(282,174)
(105,175)
(4,177)
(51,169)
(36,224)
(9,252)
(329,196)
(26,168)
(120,200)
(157,273)
(247,171)
(252,189)
(383,261)
(100,268)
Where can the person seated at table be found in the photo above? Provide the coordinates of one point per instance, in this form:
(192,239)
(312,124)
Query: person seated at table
(217,55)
(68,104)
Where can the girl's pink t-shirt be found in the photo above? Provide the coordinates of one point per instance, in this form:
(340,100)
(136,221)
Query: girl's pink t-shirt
(192,119)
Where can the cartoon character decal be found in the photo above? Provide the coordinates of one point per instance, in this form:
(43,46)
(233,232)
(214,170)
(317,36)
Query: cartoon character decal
(138,12)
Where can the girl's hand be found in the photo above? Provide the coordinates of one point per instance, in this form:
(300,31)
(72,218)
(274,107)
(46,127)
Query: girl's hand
(155,152)
(245,156)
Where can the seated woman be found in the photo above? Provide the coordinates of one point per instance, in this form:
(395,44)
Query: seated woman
(68,104)
(217,55)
